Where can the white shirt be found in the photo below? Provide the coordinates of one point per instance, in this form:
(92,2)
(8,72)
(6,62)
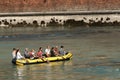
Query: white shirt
(62,52)
(13,54)
(47,51)
(19,56)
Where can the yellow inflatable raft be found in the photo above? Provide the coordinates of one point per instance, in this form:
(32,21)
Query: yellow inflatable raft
(68,56)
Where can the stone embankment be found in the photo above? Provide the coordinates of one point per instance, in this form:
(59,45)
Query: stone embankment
(60,19)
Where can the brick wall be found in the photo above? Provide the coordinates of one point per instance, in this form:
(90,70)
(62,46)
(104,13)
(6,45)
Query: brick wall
(57,5)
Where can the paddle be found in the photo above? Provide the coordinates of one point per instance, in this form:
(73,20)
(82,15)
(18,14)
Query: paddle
(45,60)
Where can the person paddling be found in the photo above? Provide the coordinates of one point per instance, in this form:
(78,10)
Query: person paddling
(39,53)
(26,53)
(47,51)
(56,51)
(52,51)
(32,54)
(62,51)
(18,54)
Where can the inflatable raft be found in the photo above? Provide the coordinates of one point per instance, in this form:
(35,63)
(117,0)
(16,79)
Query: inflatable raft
(68,56)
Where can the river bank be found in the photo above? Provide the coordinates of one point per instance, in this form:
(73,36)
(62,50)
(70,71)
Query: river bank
(60,19)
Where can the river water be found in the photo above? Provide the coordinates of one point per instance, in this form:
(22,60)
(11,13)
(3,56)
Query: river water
(96,55)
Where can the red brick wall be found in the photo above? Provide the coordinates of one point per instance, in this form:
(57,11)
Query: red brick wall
(57,5)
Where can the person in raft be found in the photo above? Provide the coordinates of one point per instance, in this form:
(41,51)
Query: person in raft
(56,51)
(40,53)
(16,55)
(26,53)
(62,51)
(32,54)
(52,52)
(47,51)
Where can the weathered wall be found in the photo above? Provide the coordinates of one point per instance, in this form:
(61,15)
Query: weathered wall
(60,21)
(57,5)
(53,19)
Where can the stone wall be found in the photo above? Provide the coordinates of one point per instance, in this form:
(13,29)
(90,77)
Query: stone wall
(57,5)
(56,13)
(57,21)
